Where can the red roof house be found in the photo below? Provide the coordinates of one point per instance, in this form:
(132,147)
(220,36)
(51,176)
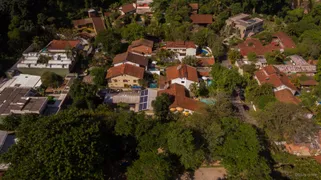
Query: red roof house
(277,79)
(202,19)
(181,100)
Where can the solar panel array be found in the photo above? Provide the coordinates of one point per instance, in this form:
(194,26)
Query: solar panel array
(143,100)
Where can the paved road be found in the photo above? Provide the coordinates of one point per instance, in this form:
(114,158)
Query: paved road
(242,113)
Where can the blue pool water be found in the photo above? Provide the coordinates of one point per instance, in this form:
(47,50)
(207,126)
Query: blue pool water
(204,52)
(208,101)
(153,85)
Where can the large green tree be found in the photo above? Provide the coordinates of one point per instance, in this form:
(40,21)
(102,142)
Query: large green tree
(70,145)
(110,41)
(150,166)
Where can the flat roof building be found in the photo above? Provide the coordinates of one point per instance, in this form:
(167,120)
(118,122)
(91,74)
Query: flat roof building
(14,100)
(22,80)
(244,25)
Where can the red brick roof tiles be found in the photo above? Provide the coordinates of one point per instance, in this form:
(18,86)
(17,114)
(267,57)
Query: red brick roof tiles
(283,41)
(182,71)
(202,18)
(286,96)
(271,75)
(194,6)
(181,99)
(62,44)
(203,62)
(131,57)
(127,69)
(128,8)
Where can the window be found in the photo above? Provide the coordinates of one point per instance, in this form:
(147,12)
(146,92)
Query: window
(134,81)
(115,80)
(125,80)
(182,82)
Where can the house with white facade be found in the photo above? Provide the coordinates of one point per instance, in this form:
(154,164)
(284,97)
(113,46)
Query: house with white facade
(182,74)
(181,48)
(143,6)
(277,79)
(58,56)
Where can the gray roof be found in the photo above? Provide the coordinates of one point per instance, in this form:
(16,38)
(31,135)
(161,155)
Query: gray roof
(17,100)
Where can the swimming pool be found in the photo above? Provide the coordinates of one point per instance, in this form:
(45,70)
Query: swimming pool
(204,51)
(208,101)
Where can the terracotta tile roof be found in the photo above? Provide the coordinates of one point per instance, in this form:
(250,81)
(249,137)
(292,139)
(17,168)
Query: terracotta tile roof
(131,57)
(144,42)
(82,22)
(271,75)
(182,71)
(62,44)
(286,41)
(194,6)
(107,14)
(203,62)
(127,69)
(286,96)
(283,41)
(202,18)
(127,8)
(141,46)
(181,99)
(99,24)
(180,44)
(309,82)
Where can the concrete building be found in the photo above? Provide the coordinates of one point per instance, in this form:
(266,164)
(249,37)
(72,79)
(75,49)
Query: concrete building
(21,101)
(181,48)
(143,6)
(22,80)
(58,56)
(243,25)
(124,76)
(182,74)
(137,100)
(297,65)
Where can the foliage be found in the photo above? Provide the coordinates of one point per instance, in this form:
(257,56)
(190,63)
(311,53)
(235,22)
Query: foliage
(225,80)
(84,95)
(234,55)
(190,60)
(260,95)
(201,36)
(99,76)
(240,152)
(181,142)
(132,32)
(150,166)
(275,57)
(77,138)
(251,56)
(165,55)
(161,106)
(294,167)
(285,122)
(110,41)
(51,79)
(249,68)
(318,74)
